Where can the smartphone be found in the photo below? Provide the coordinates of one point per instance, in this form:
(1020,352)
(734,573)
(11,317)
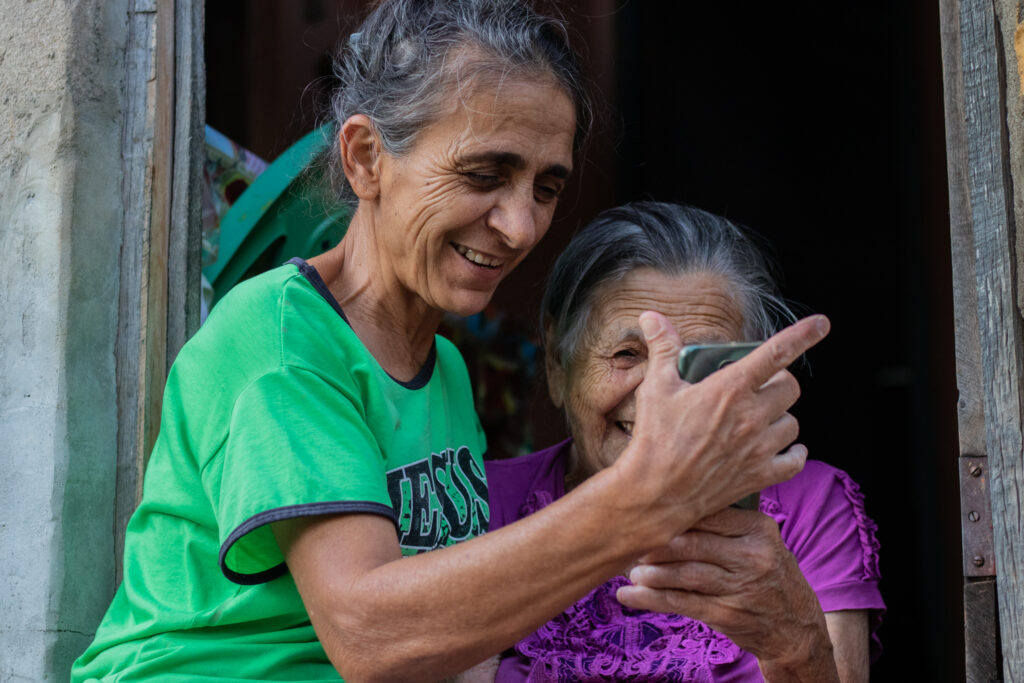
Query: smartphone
(697,361)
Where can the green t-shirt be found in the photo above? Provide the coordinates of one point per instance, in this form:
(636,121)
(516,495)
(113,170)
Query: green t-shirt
(275,410)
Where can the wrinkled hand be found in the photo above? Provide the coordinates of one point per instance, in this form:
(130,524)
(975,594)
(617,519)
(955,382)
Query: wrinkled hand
(697,448)
(732,571)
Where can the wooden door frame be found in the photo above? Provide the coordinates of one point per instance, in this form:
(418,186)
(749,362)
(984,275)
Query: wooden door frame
(989,348)
(164,132)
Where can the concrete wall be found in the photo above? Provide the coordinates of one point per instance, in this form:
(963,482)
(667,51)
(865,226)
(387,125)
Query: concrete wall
(61,214)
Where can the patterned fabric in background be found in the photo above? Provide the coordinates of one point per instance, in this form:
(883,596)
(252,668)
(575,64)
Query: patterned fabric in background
(228,170)
(501,353)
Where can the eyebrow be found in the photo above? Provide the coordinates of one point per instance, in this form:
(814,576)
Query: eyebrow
(635,334)
(630,334)
(512,160)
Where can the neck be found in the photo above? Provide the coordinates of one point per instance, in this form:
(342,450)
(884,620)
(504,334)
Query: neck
(395,325)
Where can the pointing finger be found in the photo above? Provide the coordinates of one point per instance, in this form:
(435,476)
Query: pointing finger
(781,350)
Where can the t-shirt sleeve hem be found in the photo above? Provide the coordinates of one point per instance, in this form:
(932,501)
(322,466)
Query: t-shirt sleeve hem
(850,595)
(290,512)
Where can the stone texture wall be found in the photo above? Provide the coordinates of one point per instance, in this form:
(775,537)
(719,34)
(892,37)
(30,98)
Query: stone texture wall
(61,91)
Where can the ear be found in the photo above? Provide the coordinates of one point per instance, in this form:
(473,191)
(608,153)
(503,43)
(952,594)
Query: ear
(554,370)
(360,156)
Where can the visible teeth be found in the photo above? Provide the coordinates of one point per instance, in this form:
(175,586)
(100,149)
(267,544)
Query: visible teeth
(626,427)
(476,257)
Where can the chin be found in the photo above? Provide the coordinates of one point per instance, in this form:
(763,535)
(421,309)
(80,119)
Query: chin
(467,305)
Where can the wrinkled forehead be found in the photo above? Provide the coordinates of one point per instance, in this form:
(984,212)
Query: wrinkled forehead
(702,306)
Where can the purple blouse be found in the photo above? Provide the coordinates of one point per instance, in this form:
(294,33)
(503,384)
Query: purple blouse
(821,519)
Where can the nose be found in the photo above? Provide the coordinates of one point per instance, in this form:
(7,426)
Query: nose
(514,218)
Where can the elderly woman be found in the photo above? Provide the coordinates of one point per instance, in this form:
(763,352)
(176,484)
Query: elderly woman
(315,431)
(760,581)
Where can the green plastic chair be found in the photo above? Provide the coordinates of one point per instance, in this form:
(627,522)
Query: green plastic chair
(285,212)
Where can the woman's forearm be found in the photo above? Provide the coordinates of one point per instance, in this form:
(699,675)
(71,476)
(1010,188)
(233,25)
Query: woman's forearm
(381,617)
(851,636)
(432,615)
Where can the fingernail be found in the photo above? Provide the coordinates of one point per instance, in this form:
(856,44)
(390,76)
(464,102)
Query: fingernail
(822,325)
(636,575)
(623,593)
(649,325)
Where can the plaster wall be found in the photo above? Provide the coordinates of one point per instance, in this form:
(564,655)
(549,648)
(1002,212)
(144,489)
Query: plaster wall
(61,82)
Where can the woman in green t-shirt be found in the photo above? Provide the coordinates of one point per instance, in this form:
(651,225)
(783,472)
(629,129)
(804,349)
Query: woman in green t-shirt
(315,430)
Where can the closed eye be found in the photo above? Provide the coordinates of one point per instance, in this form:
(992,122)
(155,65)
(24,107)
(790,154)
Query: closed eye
(546,193)
(482,180)
(627,358)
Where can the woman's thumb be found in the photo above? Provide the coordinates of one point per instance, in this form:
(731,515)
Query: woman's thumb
(662,340)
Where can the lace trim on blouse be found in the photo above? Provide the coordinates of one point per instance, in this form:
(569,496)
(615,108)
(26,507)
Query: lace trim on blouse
(597,639)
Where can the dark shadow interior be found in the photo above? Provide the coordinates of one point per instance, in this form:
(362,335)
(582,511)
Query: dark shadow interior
(818,124)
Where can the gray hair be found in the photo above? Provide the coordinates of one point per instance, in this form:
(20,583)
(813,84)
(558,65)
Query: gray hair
(669,239)
(400,68)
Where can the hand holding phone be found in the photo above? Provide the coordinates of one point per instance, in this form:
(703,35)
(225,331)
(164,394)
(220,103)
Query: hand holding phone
(697,361)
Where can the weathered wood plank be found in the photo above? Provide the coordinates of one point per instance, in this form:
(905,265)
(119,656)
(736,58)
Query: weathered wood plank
(155,292)
(160,257)
(1010,18)
(999,319)
(981,632)
(980,624)
(137,190)
(970,400)
(185,236)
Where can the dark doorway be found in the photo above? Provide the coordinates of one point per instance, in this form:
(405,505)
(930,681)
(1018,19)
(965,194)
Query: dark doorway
(820,125)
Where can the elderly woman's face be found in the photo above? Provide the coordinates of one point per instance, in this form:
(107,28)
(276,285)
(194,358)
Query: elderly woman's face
(476,192)
(598,392)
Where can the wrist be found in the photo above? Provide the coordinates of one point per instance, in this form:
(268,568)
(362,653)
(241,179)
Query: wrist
(641,505)
(813,661)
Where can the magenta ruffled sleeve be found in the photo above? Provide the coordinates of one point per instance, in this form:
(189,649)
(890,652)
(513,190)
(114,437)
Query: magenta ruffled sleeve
(822,521)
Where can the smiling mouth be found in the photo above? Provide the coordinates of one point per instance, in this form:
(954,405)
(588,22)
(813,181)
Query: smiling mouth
(626,427)
(476,257)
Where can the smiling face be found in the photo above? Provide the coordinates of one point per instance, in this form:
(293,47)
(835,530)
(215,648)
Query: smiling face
(598,391)
(476,192)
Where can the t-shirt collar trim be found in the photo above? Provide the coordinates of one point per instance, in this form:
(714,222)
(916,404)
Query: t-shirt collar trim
(309,272)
